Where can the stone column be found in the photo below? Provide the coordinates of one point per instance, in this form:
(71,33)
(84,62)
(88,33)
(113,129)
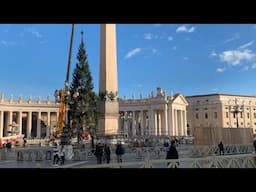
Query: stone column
(185,123)
(20,122)
(126,120)
(1,123)
(175,122)
(155,124)
(166,119)
(38,127)
(10,128)
(119,124)
(181,123)
(142,125)
(151,122)
(133,124)
(48,124)
(29,124)
(159,116)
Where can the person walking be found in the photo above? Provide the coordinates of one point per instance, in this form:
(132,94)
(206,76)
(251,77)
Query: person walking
(172,153)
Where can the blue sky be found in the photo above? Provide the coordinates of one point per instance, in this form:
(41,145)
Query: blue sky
(187,58)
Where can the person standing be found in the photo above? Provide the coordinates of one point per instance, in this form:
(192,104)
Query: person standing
(221,148)
(99,153)
(254,144)
(62,155)
(107,153)
(55,155)
(24,142)
(119,152)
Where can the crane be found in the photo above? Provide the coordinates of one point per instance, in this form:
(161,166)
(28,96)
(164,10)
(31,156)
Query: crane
(63,94)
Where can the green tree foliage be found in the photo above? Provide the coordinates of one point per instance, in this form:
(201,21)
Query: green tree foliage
(82,105)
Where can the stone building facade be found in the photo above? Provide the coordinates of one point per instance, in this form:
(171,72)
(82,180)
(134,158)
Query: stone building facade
(221,110)
(32,118)
(158,115)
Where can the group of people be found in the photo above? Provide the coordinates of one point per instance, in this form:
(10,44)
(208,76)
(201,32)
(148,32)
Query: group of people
(103,153)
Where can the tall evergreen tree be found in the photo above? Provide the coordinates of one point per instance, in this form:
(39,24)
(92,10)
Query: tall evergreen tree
(82,105)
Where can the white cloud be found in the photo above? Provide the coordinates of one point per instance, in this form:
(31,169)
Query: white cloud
(33,31)
(245,68)
(3,42)
(246,45)
(254,66)
(213,54)
(132,53)
(148,36)
(220,70)
(7,43)
(215,89)
(7,29)
(184,29)
(156,37)
(170,38)
(157,25)
(236,36)
(43,42)
(234,57)
(154,51)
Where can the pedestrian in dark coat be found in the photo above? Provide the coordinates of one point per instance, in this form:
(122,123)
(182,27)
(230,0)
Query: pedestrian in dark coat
(254,144)
(99,153)
(221,148)
(172,153)
(107,153)
(119,152)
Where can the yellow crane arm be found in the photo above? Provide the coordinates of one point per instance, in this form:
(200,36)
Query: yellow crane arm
(62,112)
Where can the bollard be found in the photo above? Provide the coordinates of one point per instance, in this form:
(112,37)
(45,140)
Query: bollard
(48,155)
(3,155)
(29,156)
(19,156)
(39,156)
(76,155)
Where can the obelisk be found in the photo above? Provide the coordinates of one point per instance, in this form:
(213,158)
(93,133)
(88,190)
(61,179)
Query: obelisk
(108,107)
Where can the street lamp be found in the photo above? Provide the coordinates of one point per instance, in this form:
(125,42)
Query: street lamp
(236,109)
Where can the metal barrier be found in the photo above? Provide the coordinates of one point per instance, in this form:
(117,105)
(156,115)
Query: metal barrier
(19,156)
(48,155)
(231,161)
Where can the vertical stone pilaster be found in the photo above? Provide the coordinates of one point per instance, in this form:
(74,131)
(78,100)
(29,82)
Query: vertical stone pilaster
(29,124)
(38,127)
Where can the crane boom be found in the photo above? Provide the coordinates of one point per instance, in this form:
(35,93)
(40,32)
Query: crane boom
(63,93)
